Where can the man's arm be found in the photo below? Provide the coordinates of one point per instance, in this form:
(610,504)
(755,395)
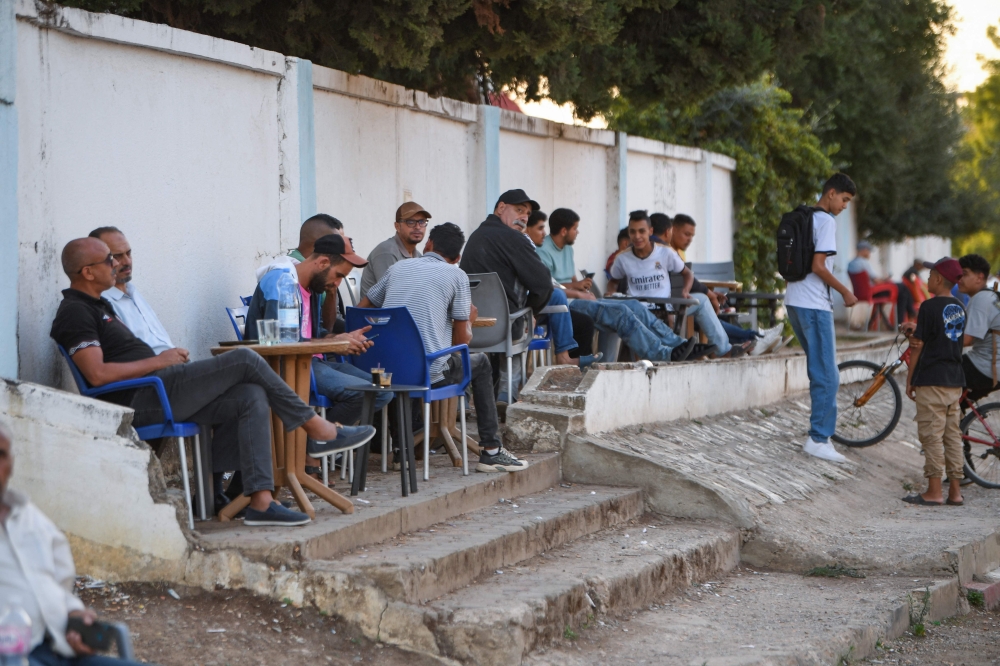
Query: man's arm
(821,271)
(90,361)
(688,282)
(915,349)
(612,287)
(461,331)
(574,290)
(328,315)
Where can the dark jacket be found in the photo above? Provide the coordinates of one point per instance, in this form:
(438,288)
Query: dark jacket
(264,305)
(496,248)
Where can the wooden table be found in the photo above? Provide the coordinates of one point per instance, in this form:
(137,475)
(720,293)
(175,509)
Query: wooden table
(293,363)
(484,322)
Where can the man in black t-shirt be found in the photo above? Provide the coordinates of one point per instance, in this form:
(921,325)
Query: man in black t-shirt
(935,381)
(237,386)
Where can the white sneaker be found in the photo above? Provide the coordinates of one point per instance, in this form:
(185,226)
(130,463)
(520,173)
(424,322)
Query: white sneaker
(771,337)
(822,450)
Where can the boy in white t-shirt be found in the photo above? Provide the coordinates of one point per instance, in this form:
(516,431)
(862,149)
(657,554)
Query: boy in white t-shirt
(810,310)
(646,267)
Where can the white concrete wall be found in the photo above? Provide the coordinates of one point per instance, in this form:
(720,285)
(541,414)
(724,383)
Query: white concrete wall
(92,482)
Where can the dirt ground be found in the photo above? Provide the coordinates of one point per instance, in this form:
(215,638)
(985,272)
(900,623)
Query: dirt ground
(972,640)
(225,628)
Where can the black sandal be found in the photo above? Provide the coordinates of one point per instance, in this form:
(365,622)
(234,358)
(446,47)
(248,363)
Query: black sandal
(920,501)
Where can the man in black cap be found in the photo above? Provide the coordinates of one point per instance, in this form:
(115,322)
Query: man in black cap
(498,246)
(331,261)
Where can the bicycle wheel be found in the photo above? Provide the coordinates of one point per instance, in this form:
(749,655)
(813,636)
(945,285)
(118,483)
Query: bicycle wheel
(871,422)
(981,437)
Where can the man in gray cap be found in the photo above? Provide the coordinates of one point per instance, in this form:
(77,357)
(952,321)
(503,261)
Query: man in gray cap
(411,225)
(862,264)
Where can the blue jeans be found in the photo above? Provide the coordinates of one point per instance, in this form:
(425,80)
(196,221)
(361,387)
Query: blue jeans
(639,328)
(709,324)
(44,656)
(561,324)
(737,334)
(334,380)
(814,329)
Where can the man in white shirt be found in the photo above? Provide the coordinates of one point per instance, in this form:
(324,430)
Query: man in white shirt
(810,311)
(126,300)
(647,267)
(37,575)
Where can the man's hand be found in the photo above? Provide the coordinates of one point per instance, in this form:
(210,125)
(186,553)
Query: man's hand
(473,313)
(74,639)
(716,300)
(850,300)
(173,356)
(582,285)
(907,328)
(685,293)
(356,340)
(911,392)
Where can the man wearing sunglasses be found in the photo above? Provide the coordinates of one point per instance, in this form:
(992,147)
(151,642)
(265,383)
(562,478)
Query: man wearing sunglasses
(126,300)
(411,225)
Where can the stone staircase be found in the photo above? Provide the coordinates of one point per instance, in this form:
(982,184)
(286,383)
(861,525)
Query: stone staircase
(483,569)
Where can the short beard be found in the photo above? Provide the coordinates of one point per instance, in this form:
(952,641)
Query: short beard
(317,284)
(123,280)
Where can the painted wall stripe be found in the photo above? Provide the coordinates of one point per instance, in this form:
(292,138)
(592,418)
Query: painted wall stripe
(307,140)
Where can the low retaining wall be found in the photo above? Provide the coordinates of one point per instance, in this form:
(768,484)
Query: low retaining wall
(614,395)
(80,462)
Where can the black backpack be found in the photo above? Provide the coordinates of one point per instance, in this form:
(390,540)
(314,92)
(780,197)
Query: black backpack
(795,244)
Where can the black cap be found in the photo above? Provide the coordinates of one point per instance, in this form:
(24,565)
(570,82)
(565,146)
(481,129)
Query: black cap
(337,244)
(514,197)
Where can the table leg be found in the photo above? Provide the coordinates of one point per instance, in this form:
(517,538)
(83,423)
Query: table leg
(446,421)
(293,471)
(330,495)
(454,430)
(277,436)
(401,427)
(410,446)
(233,508)
(361,469)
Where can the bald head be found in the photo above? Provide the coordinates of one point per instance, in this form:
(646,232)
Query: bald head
(81,252)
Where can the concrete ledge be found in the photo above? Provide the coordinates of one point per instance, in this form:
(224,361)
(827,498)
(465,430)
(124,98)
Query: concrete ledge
(81,464)
(512,121)
(653,393)
(990,592)
(976,558)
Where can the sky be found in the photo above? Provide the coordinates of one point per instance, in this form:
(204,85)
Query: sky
(971,19)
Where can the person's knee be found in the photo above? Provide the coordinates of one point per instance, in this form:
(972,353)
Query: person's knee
(558,297)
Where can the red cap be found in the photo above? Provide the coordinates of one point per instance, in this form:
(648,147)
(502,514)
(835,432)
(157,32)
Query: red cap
(949,269)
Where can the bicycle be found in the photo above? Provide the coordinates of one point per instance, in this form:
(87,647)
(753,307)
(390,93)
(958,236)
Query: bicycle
(869,404)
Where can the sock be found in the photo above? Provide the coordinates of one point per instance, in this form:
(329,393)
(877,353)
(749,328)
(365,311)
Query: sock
(492,452)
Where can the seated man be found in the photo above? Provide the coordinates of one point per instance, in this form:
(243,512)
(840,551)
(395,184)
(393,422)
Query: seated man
(498,247)
(647,267)
(330,262)
(862,264)
(536,227)
(37,574)
(236,387)
(126,300)
(682,232)
(411,224)
(662,226)
(437,294)
(646,335)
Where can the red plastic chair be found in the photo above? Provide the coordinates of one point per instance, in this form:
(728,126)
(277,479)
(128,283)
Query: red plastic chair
(877,295)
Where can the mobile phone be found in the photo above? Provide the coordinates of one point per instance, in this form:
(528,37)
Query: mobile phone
(585,274)
(99,635)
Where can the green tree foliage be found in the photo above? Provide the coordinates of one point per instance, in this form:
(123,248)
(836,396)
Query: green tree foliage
(780,162)
(977,173)
(586,50)
(872,86)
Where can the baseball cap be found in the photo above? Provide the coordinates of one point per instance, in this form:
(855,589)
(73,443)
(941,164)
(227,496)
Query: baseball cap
(864,245)
(949,269)
(408,209)
(514,197)
(337,244)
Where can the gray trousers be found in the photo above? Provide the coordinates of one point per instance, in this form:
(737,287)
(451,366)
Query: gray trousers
(232,391)
(482,394)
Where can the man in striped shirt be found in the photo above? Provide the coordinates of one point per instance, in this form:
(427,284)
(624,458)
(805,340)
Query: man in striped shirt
(436,292)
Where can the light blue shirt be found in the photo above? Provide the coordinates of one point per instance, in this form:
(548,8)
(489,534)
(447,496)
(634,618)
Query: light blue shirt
(136,313)
(559,261)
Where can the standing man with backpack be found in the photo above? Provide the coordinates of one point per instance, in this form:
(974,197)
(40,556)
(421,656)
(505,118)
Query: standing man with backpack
(807,243)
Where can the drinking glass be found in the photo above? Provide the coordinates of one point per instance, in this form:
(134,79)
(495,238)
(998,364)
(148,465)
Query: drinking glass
(267,330)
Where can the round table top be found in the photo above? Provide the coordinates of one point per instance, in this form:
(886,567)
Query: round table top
(291,348)
(484,322)
(396,388)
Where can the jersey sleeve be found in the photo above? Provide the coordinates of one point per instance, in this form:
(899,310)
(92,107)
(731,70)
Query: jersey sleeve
(674,262)
(617,269)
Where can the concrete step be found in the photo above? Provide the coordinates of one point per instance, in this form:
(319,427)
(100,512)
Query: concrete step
(380,512)
(504,614)
(430,563)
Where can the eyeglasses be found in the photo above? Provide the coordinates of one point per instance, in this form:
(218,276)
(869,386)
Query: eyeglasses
(121,255)
(109,260)
(418,224)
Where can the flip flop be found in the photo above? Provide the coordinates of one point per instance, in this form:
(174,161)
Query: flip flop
(920,501)
(950,503)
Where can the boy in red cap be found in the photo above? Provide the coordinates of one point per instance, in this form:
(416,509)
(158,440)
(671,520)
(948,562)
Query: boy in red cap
(935,381)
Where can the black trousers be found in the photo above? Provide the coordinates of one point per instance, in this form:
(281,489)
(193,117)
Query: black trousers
(233,392)
(979,385)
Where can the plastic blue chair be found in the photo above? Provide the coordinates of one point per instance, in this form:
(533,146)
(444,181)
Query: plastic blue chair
(400,350)
(166,429)
(234,314)
(246,299)
(540,346)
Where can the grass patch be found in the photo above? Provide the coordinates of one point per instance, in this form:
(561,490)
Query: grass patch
(907,486)
(975,598)
(917,617)
(570,635)
(834,571)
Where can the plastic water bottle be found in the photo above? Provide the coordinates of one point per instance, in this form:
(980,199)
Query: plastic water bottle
(288,307)
(15,636)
